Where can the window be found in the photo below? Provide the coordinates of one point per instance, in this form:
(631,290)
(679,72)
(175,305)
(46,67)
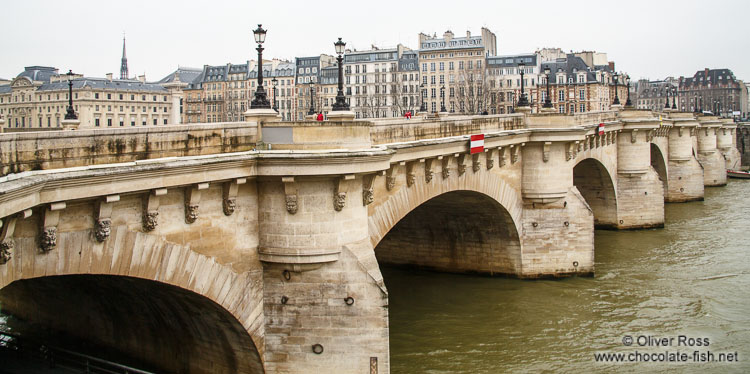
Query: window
(120,96)
(562,109)
(450,65)
(165,121)
(109,122)
(583,108)
(96,122)
(96,96)
(132,123)
(442,66)
(582,94)
(424,67)
(155,121)
(561,95)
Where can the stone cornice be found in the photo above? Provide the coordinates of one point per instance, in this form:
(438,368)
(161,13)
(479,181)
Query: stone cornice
(28,189)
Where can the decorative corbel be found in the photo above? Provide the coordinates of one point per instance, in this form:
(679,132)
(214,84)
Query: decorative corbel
(475,163)
(192,199)
(229,195)
(290,193)
(461,162)
(634,136)
(569,150)
(6,238)
(716,131)
(545,151)
(586,143)
(48,237)
(490,158)
(104,220)
(692,131)
(368,192)
(679,131)
(502,157)
(445,169)
(411,176)
(514,152)
(390,177)
(340,188)
(428,172)
(151,209)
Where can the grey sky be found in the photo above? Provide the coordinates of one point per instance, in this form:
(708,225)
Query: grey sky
(646,38)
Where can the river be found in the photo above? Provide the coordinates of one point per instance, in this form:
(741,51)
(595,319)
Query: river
(690,279)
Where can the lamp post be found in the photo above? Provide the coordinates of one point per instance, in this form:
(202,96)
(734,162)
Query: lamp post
(422,104)
(666,104)
(70,114)
(617,98)
(311,112)
(275,83)
(260,101)
(522,101)
(695,104)
(628,103)
(674,98)
(547,99)
(442,97)
(340,103)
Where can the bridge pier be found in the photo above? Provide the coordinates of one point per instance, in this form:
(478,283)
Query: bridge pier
(554,208)
(322,287)
(726,142)
(640,192)
(685,172)
(714,166)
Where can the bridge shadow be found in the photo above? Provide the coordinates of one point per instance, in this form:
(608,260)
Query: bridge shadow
(596,186)
(144,323)
(457,232)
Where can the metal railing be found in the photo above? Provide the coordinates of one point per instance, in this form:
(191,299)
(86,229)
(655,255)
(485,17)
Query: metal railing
(59,357)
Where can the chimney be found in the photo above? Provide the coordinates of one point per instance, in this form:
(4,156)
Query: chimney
(142,78)
(468,34)
(448,36)
(109,77)
(611,66)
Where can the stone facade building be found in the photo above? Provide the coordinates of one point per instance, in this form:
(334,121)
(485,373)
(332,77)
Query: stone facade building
(576,87)
(308,70)
(370,78)
(712,90)
(453,70)
(38,98)
(504,80)
(223,93)
(654,95)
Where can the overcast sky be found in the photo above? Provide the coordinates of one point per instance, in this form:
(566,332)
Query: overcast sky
(646,38)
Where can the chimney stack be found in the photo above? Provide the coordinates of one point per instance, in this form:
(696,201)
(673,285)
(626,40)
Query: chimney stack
(468,34)
(142,78)
(109,77)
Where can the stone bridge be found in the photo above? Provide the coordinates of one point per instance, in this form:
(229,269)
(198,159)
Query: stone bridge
(256,246)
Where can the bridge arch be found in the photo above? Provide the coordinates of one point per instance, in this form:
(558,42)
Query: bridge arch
(596,184)
(466,224)
(155,301)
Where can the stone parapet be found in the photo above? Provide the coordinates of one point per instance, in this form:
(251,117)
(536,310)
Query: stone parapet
(311,135)
(54,149)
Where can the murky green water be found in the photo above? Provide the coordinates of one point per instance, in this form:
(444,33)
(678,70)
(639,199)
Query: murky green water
(691,278)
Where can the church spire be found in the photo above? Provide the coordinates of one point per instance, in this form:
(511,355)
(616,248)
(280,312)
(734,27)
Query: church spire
(124,64)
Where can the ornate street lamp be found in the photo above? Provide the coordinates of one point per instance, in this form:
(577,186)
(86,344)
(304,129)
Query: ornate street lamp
(522,101)
(442,96)
(275,83)
(617,98)
(422,105)
(666,105)
(547,99)
(674,98)
(628,103)
(695,104)
(260,101)
(311,112)
(340,103)
(71,114)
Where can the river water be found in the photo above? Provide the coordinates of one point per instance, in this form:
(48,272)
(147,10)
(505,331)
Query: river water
(690,279)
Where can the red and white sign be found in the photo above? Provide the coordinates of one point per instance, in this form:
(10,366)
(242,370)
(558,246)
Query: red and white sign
(477,144)
(601,129)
